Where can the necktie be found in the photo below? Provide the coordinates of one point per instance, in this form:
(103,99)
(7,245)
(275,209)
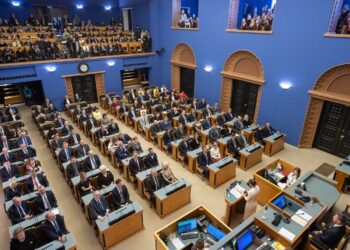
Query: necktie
(185,119)
(46,202)
(25,141)
(9,171)
(102,207)
(57,228)
(122,199)
(206,158)
(7,157)
(156,182)
(67,155)
(61,123)
(245,141)
(138,165)
(36,183)
(93,162)
(76,170)
(217,133)
(75,139)
(5,145)
(84,150)
(21,211)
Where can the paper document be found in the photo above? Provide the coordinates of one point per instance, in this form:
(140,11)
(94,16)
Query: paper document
(235,193)
(177,243)
(304,215)
(279,175)
(55,210)
(239,188)
(299,220)
(287,234)
(282,185)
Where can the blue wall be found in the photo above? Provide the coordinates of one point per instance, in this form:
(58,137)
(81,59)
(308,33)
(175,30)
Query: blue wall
(297,51)
(192,4)
(140,12)
(22,12)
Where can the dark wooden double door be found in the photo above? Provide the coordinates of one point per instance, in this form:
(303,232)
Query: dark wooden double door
(244,97)
(333,133)
(187,81)
(85,86)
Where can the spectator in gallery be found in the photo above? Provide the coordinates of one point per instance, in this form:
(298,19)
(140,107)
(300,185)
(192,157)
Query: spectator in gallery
(343,18)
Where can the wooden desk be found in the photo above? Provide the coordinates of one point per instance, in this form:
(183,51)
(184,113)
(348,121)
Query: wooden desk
(166,204)
(141,177)
(217,175)
(247,159)
(269,189)
(274,144)
(342,174)
(174,146)
(160,139)
(110,235)
(75,181)
(161,234)
(192,159)
(222,143)
(70,244)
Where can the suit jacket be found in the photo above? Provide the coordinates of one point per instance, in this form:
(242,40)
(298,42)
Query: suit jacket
(80,150)
(228,116)
(179,133)
(30,184)
(15,216)
(214,134)
(31,152)
(116,197)
(204,161)
(9,144)
(259,136)
(151,184)
(50,230)
(205,124)
(66,130)
(102,133)
(50,197)
(165,125)
(241,141)
(269,131)
(221,120)
(10,193)
(59,123)
(206,112)
(77,99)
(6,132)
(71,170)
(167,138)
(331,236)
(6,175)
(20,140)
(121,153)
(151,160)
(134,168)
(184,148)
(88,163)
(71,139)
(10,158)
(155,128)
(89,123)
(238,125)
(113,129)
(84,118)
(232,146)
(96,209)
(63,157)
(182,120)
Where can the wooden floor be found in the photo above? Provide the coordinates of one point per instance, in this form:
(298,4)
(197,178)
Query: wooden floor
(306,159)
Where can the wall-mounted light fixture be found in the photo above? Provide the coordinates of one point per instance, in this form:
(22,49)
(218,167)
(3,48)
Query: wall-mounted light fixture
(208,68)
(79,6)
(111,63)
(108,7)
(15,3)
(286,85)
(50,68)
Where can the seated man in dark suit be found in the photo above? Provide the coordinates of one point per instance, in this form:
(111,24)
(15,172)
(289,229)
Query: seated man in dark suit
(6,156)
(92,161)
(151,159)
(91,122)
(45,200)
(120,194)
(121,152)
(259,135)
(98,207)
(132,114)
(155,128)
(12,191)
(35,180)
(221,120)
(331,236)
(153,183)
(74,138)
(4,143)
(136,164)
(233,146)
(74,168)
(167,139)
(184,147)
(238,125)
(8,171)
(65,153)
(228,115)
(24,139)
(83,117)
(214,134)
(83,149)
(102,132)
(67,128)
(242,140)
(208,111)
(206,123)
(54,227)
(268,130)
(19,211)
(26,152)
(5,131)
(183,118)
(113,127)
(204,160)
(165,124)
(179,132)
(59,122)
(57,142)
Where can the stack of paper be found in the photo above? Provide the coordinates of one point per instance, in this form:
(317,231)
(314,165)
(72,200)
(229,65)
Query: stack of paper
(177,243)
(239,188)
(287,234)
(235,193)
(303,215)
(299,220)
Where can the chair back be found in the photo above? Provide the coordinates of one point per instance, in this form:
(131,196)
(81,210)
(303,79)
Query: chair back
(94,183)
(343,242)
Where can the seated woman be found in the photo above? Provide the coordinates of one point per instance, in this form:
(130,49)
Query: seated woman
(32,164)
(113,143)
(84,186)
(23,240)
(104,119)
(291,179)
(195,143)
(215,152)
(167,174)
(105,178)
(198,127)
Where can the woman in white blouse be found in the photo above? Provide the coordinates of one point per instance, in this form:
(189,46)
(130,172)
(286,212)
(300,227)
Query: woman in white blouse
(293,176)
(251,197)
(113,143)
(215,152)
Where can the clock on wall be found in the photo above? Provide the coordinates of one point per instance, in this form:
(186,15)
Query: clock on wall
(83,67)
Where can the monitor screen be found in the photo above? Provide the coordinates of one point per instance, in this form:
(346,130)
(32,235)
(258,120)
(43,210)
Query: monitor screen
(215,232)
(280,201)
(245,240)
(187,225)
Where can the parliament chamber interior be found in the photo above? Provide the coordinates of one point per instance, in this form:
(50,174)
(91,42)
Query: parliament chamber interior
(175,124)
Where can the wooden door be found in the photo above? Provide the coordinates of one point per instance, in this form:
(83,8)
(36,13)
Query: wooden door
(244,98)
(85,86)
(187,81)
(333,134)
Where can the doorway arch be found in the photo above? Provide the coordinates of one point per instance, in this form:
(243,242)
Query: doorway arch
(244,66)
(182,57)
(333,86)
